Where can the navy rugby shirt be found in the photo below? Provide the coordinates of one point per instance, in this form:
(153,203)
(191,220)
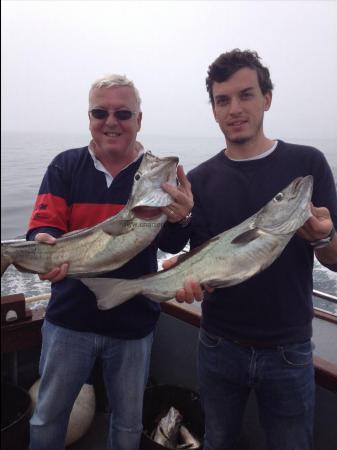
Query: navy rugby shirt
(74,195)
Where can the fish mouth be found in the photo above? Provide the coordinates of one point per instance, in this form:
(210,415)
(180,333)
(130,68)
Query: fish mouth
(293,213)
(302,183)
(147,212)
(156,198)
(148,197)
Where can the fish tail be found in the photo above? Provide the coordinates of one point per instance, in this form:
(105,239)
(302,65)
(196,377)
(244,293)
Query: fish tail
(6,260)
(111,292)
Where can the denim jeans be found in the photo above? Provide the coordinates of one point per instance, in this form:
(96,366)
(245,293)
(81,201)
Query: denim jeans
(282,378)
(66,362)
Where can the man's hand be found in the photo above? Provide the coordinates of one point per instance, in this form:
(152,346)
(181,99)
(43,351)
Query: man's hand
(182,198)
(192,289)
(318,226)
(58,273)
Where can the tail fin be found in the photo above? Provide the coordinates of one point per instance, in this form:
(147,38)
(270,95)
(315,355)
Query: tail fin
(111,292)
(5,259)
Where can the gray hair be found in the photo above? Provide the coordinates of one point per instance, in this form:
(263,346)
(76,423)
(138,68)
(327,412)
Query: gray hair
(115,80)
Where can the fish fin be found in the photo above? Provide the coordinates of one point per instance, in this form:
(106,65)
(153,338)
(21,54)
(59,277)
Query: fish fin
(111,292)
(5,263)
(74,232)
(6,260)
(218,283)
(247,236)
(23,269)
(117,228)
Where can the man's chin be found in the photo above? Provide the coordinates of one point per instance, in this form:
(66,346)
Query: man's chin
(240,140)
(113,148)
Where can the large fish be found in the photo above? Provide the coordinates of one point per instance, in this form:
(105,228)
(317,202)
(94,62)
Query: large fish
(111,243)
(166,433)
(188,440)
(225,260)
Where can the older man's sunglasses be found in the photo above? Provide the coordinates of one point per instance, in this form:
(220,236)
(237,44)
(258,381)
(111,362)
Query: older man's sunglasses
(119,114)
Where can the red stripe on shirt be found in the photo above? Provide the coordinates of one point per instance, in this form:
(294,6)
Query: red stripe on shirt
(49,211)
(85,215)
(53,211)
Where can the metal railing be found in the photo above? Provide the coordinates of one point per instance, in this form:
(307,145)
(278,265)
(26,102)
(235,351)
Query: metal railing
(325,296)
(325,303)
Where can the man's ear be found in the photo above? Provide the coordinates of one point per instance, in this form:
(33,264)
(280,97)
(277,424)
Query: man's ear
(139,120)
(267,99)
(214,113)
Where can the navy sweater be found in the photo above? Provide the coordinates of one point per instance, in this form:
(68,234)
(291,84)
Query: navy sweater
(74,195)
(276,305)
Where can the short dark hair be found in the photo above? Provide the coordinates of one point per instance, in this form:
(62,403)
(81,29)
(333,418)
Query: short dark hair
(230,62)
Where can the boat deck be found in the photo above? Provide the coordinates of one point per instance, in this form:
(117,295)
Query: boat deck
(174,370)
(176,339)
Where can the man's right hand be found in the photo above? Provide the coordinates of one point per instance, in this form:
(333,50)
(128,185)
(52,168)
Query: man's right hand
(58,273)
(192,289)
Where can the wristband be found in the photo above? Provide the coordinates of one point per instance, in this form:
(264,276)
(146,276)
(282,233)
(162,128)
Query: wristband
(321,243)
(186,220)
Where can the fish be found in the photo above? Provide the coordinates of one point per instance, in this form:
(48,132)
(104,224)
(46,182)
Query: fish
(188,440)
(167,430)
(111,243)
(227,259)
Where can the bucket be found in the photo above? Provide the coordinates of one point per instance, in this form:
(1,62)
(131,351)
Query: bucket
(158,400)
(15,414)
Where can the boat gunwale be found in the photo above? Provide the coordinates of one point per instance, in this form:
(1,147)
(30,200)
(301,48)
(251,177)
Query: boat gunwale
(325,371)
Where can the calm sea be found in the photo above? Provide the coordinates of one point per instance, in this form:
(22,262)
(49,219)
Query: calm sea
(24,158)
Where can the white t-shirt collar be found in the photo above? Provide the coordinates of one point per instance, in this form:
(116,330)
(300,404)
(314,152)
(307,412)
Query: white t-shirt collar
(262,155)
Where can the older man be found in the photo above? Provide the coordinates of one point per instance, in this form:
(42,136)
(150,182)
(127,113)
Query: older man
(81,188)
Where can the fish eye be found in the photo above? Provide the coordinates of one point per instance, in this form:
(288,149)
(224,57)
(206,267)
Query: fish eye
(137,176)
(278,197)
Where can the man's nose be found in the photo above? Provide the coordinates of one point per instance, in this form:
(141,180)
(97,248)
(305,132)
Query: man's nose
(111,119)
(235,106)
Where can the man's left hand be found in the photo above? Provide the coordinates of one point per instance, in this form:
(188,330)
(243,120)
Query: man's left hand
(192,289)
(318,226)
(182,198)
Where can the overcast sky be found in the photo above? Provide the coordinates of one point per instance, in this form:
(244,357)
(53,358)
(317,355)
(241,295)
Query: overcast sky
(53,50)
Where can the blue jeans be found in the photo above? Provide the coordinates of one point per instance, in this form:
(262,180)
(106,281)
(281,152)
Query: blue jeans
(66,362)
(283,380)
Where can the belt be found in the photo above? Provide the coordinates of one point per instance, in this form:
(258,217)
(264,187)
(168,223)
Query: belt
(245,342)
(256,344)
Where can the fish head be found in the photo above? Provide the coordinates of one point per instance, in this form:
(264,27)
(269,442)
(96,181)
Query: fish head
(169,425)
(147,197)
(288,210)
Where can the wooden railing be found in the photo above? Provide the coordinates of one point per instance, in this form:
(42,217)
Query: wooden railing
(23,335)
(325,371)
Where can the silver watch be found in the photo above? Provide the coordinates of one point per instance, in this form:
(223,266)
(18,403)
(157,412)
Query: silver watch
(186,220)
(320,243)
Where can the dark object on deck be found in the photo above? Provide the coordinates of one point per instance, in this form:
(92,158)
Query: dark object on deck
(158,400)
(13,309)
(15,414)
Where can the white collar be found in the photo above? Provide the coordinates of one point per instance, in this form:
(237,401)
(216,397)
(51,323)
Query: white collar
(99,166)
(262,155)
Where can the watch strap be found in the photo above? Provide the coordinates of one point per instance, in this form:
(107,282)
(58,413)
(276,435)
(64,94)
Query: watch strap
(186,220)
(320,243)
